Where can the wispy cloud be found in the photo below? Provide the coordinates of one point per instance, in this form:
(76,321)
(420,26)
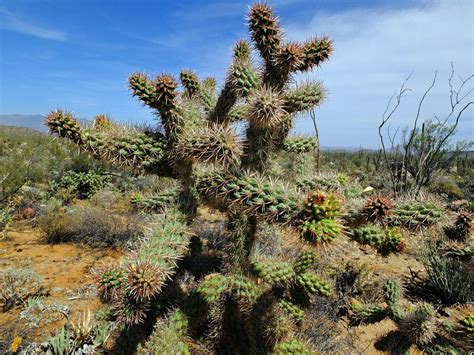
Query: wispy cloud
(11,22)
(375,49)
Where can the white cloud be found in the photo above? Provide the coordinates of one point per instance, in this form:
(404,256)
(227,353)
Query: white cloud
(11,22)
(374,51)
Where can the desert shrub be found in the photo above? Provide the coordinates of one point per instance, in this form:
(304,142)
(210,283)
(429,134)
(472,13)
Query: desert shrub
(5,219)
(451,280)
(81,184)
(16,285)
(84,337)
(90,225)
(447,187)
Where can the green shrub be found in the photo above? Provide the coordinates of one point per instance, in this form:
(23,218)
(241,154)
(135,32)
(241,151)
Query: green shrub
(448,188)
(5,219)
(82,184)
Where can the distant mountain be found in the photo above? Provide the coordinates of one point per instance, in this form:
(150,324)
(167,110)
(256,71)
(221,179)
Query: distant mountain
(35,122)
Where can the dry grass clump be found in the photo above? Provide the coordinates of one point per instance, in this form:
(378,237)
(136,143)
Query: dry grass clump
(94,226)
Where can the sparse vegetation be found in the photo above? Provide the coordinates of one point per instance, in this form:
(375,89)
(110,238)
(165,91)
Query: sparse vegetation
(230,240)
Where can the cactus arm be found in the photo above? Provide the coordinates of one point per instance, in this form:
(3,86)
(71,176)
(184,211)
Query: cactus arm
(300,144)
(210,144)
(168,337)
(238,112)
(265,31)
(160,94)
(316,51)
(143,88)
(208,94)
(241,80)
(123,147)
(269,200)
(190,82)
(304,97)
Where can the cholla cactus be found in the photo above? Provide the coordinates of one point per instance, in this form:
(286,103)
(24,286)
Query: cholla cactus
(377,208)
(197,144)
(386,241)
(319,215)
(291,346)
(415,214)
(462,228)
(419,326)
(109,280)
(168,337)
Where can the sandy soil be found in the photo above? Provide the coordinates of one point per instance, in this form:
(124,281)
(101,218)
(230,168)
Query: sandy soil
(67,282)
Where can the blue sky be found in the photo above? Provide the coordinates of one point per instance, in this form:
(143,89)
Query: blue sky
(78,54)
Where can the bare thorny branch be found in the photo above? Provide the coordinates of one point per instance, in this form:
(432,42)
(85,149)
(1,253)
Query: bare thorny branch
(421,155)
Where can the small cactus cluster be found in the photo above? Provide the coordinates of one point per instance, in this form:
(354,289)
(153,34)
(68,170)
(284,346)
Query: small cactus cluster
(284,274)
(313,284)
(291,346)
(468,322)
(374,312)
(300,145)
(274,272)
(197,143)
(156,202)
(385,240)
(462,228)
(376,209)
(415,214)
(292,309)
(419,326)
(319,217)
(102,122)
